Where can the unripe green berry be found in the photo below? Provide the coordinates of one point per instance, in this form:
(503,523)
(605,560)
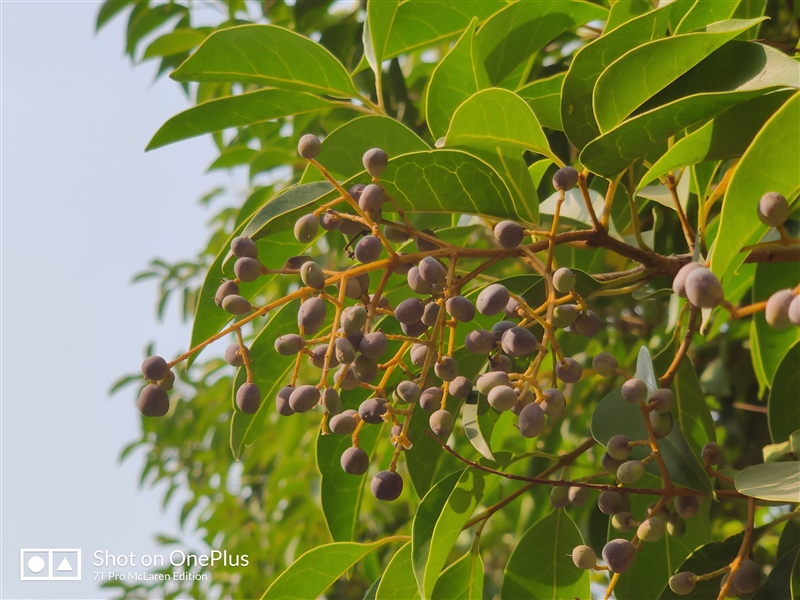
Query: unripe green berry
(559,496)
(651,530)
(618,447)
(584,557)
(683,583)
(605,364)
(630,471)
(564,280)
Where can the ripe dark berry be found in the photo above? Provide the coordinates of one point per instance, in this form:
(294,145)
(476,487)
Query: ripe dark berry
(168,381)
(414,329)
(344,423)
(304,398)
(687,506)
(344,351)
(371,410)
(565,178)
(424,245)
(317,357)
(446,369)
(564,315)
(611,503)
(522,401)
(368,249)
(662,400)
(355,191)
(502,397)
(518,341)
(492,300)
(242,247)
(154,368)
(353,319)
(409,310)
(605,364)
(346,380)
(330,221)
(587,324)
(373,345)
(554,402)
(228,288)
(153,401)
(776,312)
(306,228)
(248,398)
(354,461)
(683,583)
(568,370)
(747,577)
(366,369)
(386,485)
(375,161)
(282,401)
(442,423)
(703,289)
(408,391)
(331,401)
(417,283)
(500,362)
(431,270)
(679,283)
(431,399)
(773,210)
(492,379)
(460,387)
(460,308)
(311,315)
(712,454)
(289,344)
(371,198)
(311,274)
(634,391)
(619,555)
(531,420)
(564,280)
(309,146)
(430,314)
(511,310)
(247,269)
(295,262)
(509,234)
(233,355)
(479,341)
(578,496)
(584,557)
(610,464)
(418,353)
(394,235)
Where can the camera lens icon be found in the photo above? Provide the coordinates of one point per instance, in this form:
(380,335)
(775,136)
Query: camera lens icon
(50,564)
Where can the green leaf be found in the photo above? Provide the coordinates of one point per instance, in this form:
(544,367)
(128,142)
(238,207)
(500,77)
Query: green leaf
(397,581)
(462,580)
(750,9)
(778,482)
(784,410)
(438,522)
(726,136)
(234,156)
(478,419)
(510,165)
(270,373)
(148,20)
(541,564)
(344,147)
(706,559)
(235,111)
(614,416)
(660,62)
(377,27)
(421,23)
(705,12)
(622,12)
(691,411)
(544,98)
(778,585)
(654,566)
(459,75)
(280,213)
(175,42)
(109,10)
(341,494)
(523,28)
(257,54)
(735,73)
(316,570)
(497,117)
(769,164)
(269,159)
(576,94)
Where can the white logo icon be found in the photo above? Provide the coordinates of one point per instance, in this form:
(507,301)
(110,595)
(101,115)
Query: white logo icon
(50,564)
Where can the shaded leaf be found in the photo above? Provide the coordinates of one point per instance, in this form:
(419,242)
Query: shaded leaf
(544,98)
(462,580)
(377,28)
(397,581)
(257,54)
(778,585)
(783,407)
(547,545)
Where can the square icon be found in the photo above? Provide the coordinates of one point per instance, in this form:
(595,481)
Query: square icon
(50,564)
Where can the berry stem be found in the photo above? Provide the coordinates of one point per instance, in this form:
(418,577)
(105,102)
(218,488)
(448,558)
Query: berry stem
(245,355)
(744,549)
(588,201)
(666,379)
(688,233)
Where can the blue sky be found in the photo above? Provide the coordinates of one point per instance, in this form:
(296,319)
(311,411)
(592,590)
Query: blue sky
(83,209)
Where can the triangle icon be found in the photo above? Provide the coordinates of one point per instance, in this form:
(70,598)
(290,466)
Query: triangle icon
(64,566)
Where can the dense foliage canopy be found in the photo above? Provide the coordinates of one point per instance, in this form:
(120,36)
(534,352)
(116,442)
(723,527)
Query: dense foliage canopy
(570,268)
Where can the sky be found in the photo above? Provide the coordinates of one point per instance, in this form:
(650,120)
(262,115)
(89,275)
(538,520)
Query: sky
(83,209)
